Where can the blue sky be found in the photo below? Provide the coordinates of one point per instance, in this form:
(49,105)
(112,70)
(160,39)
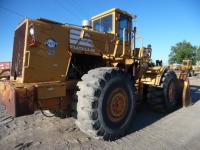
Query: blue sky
(162,23)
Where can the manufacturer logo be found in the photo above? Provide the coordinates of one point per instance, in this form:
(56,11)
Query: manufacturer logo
(51,43)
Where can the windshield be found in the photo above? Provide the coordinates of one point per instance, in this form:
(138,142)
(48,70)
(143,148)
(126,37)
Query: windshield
(103,24)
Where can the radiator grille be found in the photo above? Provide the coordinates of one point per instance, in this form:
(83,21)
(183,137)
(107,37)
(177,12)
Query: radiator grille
(18,51)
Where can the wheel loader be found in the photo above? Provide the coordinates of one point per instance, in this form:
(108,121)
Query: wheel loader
(187,67)
(94,72)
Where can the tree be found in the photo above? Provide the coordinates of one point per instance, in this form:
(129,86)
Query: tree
(183,50)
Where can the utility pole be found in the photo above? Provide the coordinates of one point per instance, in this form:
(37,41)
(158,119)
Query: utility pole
(197,62)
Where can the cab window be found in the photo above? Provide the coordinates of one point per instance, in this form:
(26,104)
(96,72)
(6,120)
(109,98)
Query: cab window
(123,23)
(103,24)
(185,63)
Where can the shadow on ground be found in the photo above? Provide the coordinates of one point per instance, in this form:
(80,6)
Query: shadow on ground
(146,116)
(195,93)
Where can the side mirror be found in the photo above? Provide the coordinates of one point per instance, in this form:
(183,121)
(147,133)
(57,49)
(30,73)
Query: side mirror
(134,29)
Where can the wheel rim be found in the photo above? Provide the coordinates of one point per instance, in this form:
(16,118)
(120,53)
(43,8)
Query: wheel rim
(117,105)
(172,93)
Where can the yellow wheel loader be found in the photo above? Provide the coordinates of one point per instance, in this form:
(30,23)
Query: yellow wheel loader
(187,67)
(94,72)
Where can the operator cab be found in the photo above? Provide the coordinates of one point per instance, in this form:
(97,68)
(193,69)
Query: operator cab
(114,21)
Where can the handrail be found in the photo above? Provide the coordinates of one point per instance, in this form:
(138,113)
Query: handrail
(124,39)
(28,59)
(124,42)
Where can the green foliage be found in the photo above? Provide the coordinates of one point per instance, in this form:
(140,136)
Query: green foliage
(183,50)
(198,54)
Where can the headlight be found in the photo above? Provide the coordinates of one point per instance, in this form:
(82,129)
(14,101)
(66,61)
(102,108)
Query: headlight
(31,30)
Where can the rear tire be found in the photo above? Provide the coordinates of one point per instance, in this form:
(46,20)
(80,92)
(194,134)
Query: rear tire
(106,103)
(166,98)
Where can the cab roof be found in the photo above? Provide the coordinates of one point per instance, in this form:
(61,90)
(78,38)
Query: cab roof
(111,11)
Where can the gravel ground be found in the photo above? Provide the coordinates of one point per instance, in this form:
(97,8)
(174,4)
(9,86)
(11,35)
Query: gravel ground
(149,130)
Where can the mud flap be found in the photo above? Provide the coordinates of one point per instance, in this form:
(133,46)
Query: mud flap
(186,97)
(185,89)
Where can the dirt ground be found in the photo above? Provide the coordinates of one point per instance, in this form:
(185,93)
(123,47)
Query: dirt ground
(149,130)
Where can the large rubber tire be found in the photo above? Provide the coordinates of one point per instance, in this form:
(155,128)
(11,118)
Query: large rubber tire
(172,100)
(5,75)
(94,100)
(166,98)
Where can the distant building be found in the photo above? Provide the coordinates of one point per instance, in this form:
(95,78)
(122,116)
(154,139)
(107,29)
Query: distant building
(5,65)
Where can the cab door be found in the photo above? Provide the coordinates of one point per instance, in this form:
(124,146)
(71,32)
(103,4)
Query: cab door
(123,28)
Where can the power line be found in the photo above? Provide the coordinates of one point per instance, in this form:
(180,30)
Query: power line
(12,11)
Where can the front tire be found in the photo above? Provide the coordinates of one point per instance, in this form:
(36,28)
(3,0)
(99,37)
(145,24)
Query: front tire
(172,90)
(106,103)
